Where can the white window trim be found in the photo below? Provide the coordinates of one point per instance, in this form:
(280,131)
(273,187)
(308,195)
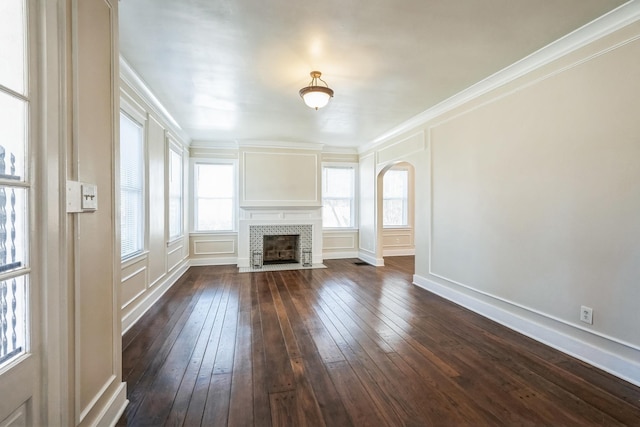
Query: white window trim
(356,198)
(192,193)
(139,115)
(175,146)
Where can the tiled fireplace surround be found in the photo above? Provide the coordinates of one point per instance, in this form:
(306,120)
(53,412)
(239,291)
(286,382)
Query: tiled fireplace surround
(257,222)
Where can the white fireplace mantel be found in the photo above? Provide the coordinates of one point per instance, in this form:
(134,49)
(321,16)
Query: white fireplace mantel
(279,216)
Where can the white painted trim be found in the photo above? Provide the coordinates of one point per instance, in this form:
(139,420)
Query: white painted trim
(215,145)
(97,398)
(197,262)
(114,409)
(463,287)
(280,144)
(370,258)
(135,273)
(340,255)
(398,252)
(174,250)
(524,322)
(597,29)
(332,149)
(152,297)
(140,87)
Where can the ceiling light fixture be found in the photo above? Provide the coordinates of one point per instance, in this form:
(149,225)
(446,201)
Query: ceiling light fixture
(316,96)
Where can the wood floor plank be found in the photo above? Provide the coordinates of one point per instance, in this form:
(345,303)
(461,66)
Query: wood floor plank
(181,402)
(310,369)
(280,375)
(348,345)
(284,409)
(261,401)
(241,400)
(361,409)
(198,400)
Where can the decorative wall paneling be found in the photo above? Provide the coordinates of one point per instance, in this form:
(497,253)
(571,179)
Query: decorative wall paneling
(340,244)
(397,241)
(163,261)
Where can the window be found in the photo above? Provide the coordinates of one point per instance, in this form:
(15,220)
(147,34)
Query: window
(15,185)
(175,192)
(214,196)
(338,190)
(395,198)
(131,186)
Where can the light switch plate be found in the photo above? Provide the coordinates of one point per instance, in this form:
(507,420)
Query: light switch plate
(89,194)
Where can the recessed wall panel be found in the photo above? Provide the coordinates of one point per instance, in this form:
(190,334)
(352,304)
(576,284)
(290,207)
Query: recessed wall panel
(280,179)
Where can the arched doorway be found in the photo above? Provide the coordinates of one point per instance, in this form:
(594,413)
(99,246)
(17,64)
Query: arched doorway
(395,210)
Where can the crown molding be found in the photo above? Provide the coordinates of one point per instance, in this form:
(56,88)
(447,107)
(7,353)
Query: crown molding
(280,144)
(332,149)
(608,23)
(215,145)
(135,82)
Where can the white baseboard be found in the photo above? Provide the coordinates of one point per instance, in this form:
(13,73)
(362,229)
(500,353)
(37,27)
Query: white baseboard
(153,296)
(198,262)
(399,252)
(370,258)
(114,409)
(610,356)
(340,255)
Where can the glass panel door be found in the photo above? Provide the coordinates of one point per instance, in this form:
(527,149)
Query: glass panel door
(17,364)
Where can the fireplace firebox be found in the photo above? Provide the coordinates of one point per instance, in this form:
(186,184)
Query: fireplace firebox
(281,249)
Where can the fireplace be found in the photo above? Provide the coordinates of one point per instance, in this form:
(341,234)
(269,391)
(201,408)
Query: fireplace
(280,249)
(257,223)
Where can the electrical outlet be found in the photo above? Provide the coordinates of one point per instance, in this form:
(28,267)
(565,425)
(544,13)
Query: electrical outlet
(586,314)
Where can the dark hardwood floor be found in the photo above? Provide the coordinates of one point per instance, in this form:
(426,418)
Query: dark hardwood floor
(349,345)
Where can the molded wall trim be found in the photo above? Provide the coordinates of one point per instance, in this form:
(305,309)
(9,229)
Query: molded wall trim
(115,407)
(153,296)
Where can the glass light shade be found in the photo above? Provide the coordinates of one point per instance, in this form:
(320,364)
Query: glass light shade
(316,96)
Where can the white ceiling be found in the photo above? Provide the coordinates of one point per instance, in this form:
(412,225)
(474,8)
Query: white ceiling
(230,70)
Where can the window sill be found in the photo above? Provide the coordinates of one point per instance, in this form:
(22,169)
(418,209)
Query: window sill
(341,229)
(132,259)
(174,240)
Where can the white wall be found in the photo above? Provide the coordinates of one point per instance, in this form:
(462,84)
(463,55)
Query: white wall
(532,200)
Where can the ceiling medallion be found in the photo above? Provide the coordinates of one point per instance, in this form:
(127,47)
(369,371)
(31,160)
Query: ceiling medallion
(316,96)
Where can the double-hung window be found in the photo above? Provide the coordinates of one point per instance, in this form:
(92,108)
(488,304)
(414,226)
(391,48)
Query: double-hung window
(395,198)
(175,191)
(131,185)
(338,197)
(214,189)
